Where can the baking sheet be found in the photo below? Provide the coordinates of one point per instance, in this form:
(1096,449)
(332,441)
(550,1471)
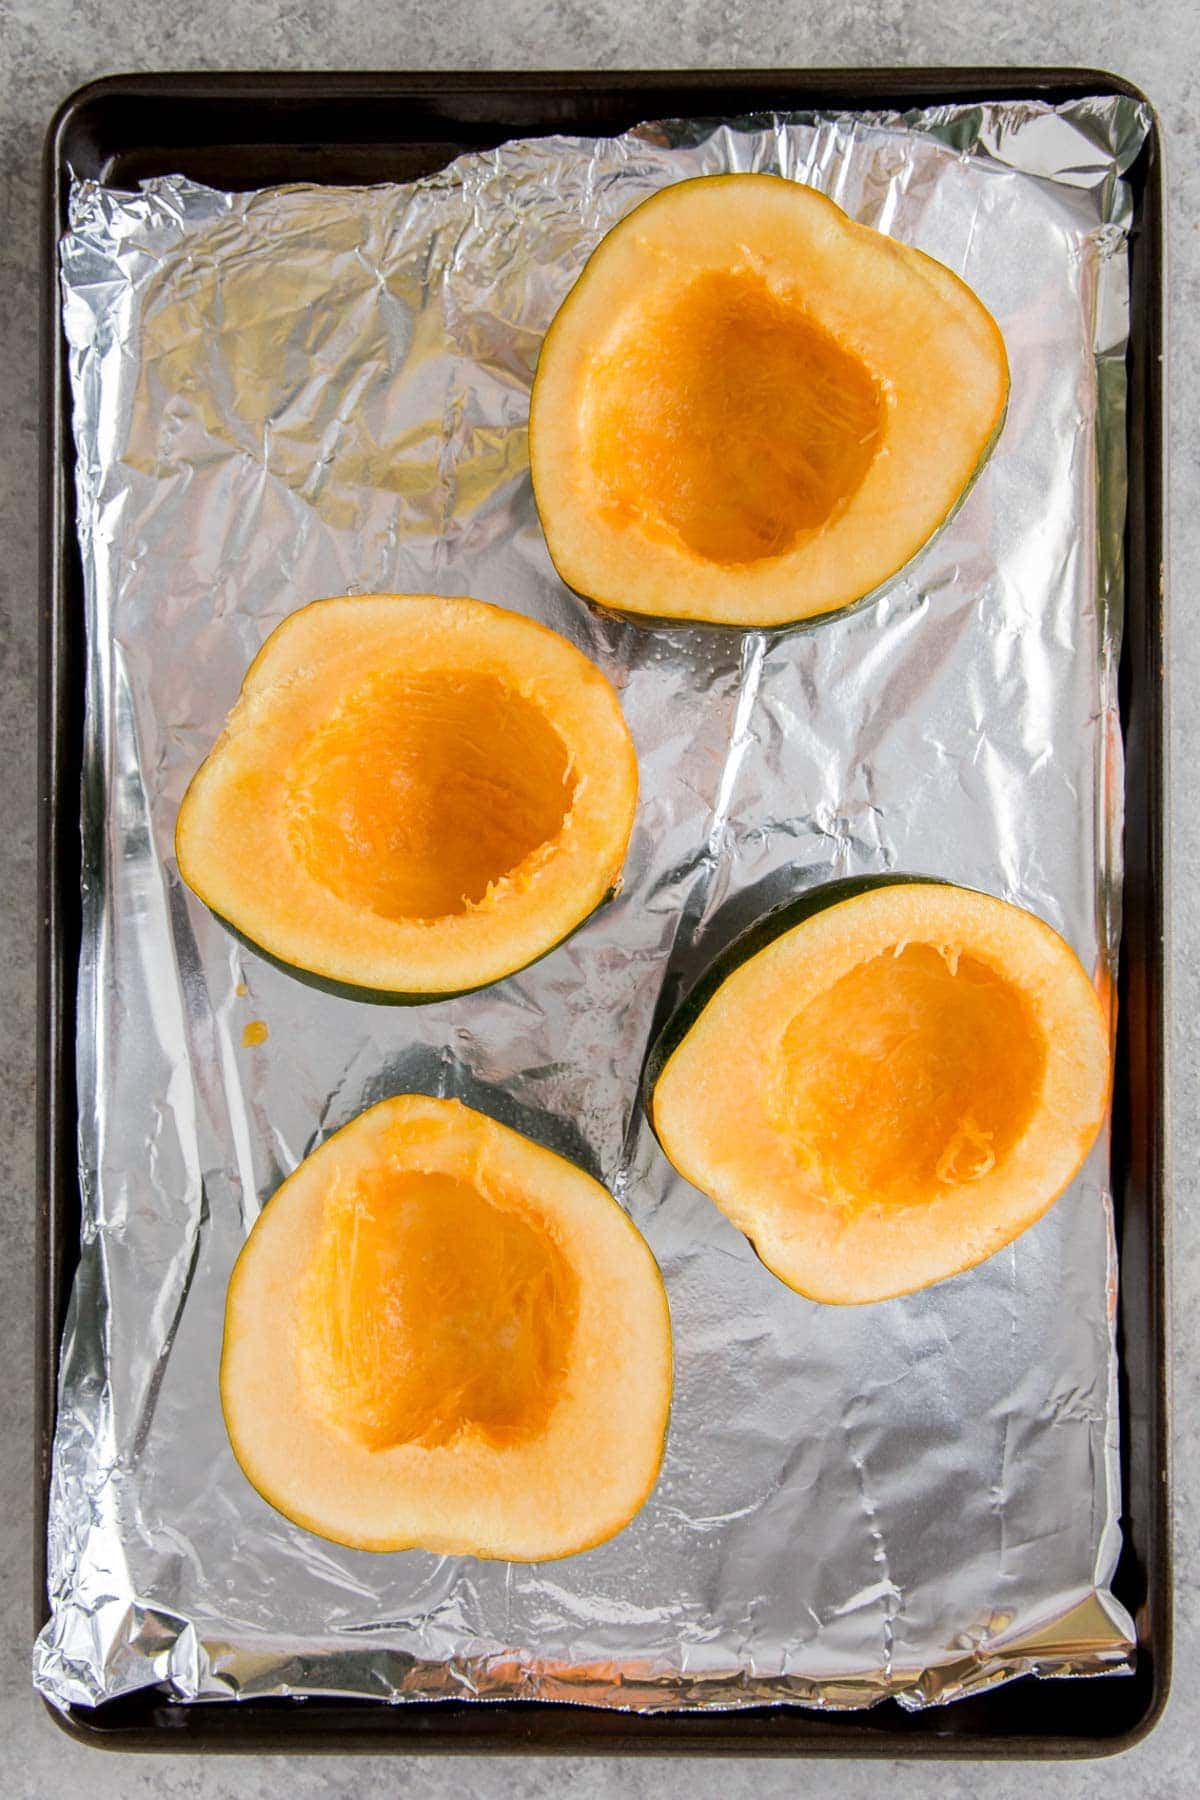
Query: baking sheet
(312,391)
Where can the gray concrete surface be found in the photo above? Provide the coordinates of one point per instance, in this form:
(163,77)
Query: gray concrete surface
(49,47)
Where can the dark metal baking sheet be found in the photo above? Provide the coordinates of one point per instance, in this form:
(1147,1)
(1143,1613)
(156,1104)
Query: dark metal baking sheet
(245,131)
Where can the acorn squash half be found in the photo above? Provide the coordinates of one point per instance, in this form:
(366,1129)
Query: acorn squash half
(414,796)
(440,1335)
(884,1082)
(751,410)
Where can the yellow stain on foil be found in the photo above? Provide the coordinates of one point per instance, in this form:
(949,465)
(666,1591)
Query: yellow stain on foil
(241,990)
(255,1033)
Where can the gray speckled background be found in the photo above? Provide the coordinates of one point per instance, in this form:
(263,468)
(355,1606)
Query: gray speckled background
(47,48)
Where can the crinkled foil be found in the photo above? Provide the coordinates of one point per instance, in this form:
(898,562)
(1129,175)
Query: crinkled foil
(301,392)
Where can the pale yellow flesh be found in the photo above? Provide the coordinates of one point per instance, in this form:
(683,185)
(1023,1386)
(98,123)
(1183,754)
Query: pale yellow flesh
(751,409)
(441,1335)
(413,794)
(892,1090)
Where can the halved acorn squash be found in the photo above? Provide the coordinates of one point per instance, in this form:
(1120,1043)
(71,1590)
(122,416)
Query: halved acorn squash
(751,410)
(414,796)
(883,1083)
(440,1335)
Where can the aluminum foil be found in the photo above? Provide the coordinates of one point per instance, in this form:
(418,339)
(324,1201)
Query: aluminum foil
(310,391)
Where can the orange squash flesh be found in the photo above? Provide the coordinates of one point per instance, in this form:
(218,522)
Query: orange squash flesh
(891,1090)
(730,420)
(414,795)
(915,1070)
(440,1335)
(751,410)
(415,1275)
(425,791)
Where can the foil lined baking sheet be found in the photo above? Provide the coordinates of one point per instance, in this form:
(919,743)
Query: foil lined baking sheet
(300,392)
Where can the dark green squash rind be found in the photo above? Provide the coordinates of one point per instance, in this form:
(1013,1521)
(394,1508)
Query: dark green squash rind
(372,996)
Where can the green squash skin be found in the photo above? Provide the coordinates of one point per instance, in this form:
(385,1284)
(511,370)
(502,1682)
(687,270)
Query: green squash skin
(757,938)
(371,996)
